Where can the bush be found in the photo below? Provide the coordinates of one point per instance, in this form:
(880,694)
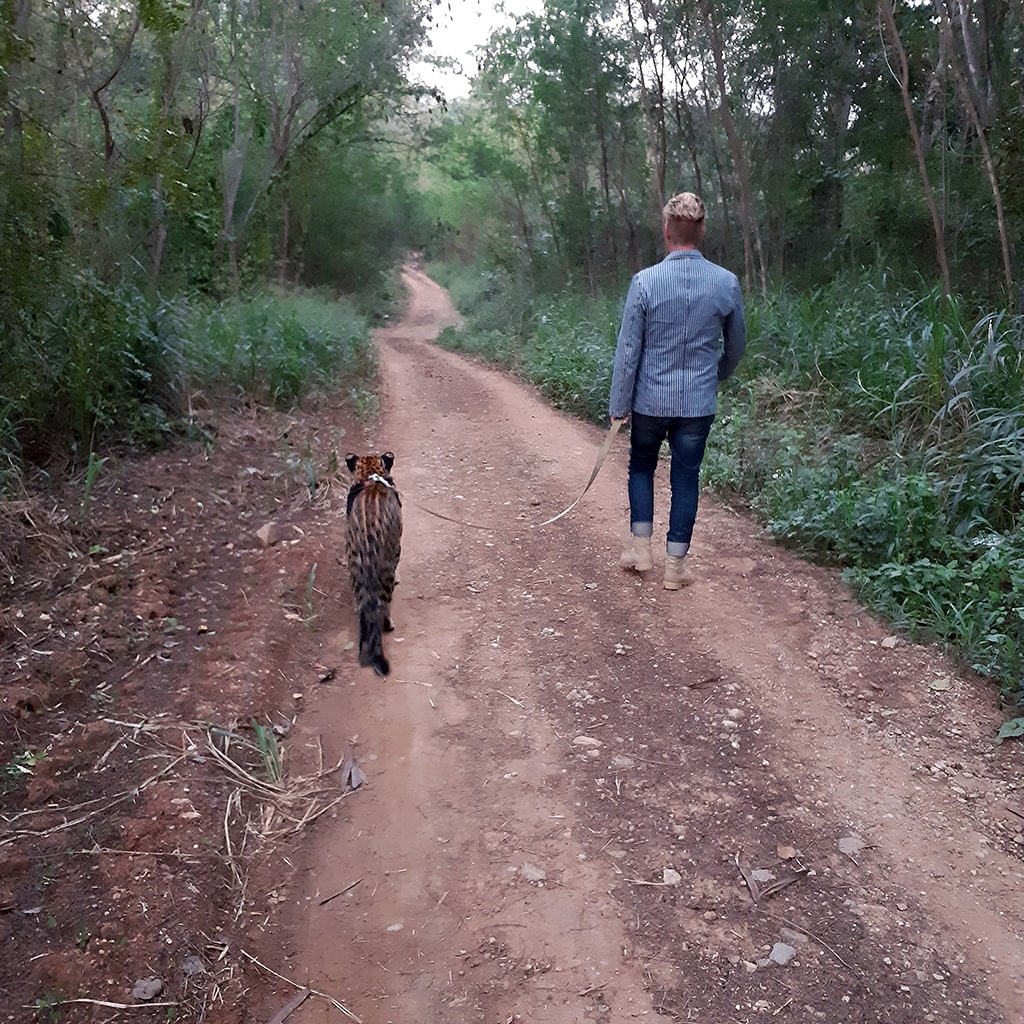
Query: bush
(280,349)
(80,370)
(103,364)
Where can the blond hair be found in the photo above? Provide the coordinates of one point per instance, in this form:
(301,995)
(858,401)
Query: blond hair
(683,218)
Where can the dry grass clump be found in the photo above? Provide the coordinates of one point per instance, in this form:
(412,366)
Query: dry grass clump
(35,539)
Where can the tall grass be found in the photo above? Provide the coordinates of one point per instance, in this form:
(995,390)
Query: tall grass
(885,433)
(874,430)
(102,363)
(76,367)
(558,343)
(278,349)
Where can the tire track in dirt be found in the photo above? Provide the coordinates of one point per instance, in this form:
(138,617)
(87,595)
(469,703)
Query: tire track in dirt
(506,870)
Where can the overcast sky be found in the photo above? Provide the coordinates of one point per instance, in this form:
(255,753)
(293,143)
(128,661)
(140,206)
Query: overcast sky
(461,25)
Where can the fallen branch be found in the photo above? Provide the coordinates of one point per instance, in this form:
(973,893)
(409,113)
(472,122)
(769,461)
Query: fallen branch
(340,892)
(109,1006)
(98,851)
(312,991)
(286,1011)
(756,893)
(125,795)
(817,938)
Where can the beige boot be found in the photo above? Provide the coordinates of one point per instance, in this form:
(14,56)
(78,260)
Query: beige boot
(676,574)
(637,554)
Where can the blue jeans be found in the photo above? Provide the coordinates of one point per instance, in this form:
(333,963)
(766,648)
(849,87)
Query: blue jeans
(687,439)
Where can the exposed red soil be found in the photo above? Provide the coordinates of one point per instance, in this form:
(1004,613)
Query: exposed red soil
(570,770)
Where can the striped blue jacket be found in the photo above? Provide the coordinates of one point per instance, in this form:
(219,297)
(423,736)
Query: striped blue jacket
(682,332)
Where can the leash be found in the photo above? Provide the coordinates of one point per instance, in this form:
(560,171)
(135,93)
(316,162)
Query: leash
(602,454)
(448,519)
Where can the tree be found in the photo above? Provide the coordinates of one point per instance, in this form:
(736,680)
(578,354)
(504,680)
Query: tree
(303,68)
(887,13)
(969,99)
(554,83)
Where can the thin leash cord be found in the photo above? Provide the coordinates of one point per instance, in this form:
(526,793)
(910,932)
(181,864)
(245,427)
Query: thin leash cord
(422,508)
(602,454)
(448,519)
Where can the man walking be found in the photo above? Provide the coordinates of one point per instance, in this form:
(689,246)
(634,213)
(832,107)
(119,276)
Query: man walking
(682,332)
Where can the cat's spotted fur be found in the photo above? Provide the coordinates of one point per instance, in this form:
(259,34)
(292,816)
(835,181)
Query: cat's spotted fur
(373,547)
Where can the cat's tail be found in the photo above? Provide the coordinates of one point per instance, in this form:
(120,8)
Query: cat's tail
(371,640)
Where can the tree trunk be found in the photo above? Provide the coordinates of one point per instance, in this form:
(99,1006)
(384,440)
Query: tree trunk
(606,184)
(282,265)
(888,16)
(232,164)
(684,125)
(654,120)
(726,189)
(12,128)
(967,99)
(980,84)
(751,231)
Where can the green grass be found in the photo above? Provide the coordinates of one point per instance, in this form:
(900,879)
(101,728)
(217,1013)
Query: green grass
(885,434)
(104,364)
(558,343)
(278,350)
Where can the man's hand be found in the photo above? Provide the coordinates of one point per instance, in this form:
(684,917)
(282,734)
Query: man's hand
(618,419)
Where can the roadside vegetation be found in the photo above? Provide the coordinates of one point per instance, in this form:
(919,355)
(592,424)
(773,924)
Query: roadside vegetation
(205,206)
(107,364)
(868,428)
(193,229)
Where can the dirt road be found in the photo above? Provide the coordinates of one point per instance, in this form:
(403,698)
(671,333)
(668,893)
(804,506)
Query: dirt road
(589,800)
(572,771)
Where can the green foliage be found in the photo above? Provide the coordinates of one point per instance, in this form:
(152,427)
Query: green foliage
(970,596)
(279,349)
(826,508)
(218,148)
(268,750)
(567,354)
(885,434)
(310,616)
(1010,729)
(496,313)
(586,116)
(78,369)
(111,368)
(14,772)
(162,17)
(91,472)
(357,217)
(48,1006)
(560,343)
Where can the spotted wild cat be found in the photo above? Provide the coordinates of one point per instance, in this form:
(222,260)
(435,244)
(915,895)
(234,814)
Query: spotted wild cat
(373,545)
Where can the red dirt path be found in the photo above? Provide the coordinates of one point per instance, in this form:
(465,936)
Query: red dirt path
(569,770)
